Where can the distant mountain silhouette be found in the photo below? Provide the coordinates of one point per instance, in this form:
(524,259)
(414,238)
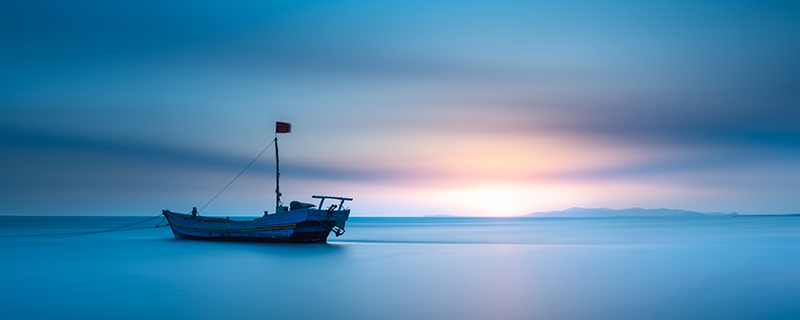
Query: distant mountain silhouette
(630,212)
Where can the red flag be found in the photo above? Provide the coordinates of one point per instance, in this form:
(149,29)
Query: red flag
(283,127)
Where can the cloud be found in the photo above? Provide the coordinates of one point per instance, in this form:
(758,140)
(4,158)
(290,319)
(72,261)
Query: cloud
(139,95)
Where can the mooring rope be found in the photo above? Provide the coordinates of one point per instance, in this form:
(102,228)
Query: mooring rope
(237,176)
(122,228)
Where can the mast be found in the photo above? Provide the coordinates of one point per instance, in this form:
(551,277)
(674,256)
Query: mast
(277,178)
(280,127)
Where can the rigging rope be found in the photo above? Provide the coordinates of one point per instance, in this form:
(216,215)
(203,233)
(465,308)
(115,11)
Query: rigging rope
(237,176)
(122,228)
(126,227)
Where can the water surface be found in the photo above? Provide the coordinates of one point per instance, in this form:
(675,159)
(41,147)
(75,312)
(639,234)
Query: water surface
(405,268)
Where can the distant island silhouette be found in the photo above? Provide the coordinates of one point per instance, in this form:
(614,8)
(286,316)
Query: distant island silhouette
(576,212)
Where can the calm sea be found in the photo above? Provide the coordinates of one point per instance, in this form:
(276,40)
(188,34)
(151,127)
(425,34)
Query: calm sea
(411,268)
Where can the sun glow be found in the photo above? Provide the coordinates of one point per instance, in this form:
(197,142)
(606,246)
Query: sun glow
(503,200)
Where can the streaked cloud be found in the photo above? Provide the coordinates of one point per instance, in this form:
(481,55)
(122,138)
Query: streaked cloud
(435,99)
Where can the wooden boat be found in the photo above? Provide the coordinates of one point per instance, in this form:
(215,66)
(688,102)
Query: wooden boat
(298,223)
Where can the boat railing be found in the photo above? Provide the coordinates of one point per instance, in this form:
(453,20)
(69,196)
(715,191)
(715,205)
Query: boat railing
(341,203)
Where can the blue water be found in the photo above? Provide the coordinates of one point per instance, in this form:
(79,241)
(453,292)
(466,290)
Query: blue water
(411,268)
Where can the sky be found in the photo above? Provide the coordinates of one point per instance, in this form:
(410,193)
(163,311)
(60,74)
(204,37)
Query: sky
(474,108)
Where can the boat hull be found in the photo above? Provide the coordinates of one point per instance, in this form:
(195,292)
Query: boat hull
(296,226)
